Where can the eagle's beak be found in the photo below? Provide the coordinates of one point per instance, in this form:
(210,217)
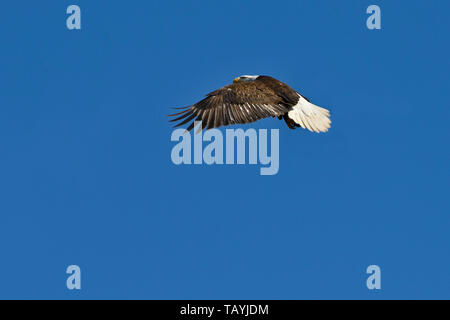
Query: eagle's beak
(236,80)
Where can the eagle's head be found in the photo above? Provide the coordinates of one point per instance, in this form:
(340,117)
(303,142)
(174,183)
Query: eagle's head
(245,78)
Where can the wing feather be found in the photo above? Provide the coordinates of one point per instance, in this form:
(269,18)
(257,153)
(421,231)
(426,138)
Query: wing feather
(242,102)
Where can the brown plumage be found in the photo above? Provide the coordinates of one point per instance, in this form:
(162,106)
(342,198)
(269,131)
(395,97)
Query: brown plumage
(250,99)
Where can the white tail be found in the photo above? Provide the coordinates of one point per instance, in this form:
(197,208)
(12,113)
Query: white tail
(310,116)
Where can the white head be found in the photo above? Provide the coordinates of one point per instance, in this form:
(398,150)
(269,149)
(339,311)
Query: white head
(245,78)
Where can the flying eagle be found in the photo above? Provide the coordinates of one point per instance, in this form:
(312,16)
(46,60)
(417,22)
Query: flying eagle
(251,98)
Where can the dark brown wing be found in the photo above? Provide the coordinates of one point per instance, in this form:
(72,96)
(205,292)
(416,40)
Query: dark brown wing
(242,102)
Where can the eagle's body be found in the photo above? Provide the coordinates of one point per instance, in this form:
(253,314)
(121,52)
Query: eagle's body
(251,98)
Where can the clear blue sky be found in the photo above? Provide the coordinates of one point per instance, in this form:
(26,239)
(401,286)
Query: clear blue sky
(86,176)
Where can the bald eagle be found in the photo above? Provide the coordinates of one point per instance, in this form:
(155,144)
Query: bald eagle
(251,98)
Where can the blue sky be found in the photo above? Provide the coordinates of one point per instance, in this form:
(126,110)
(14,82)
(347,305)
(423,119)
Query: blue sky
(86,176)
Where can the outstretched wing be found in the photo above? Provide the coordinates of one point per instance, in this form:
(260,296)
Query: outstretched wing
(242,102)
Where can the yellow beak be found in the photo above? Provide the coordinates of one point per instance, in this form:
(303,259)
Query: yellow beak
(236,80)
